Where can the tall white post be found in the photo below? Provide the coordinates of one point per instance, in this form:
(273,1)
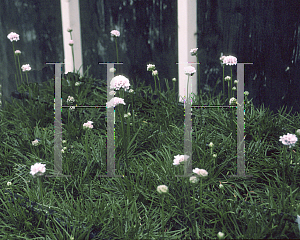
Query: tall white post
(71,19)
(187,27)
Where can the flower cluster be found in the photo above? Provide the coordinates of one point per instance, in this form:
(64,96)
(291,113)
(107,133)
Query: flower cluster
(289,139)
(162,189)
(180,159)
(114,102)
(194,51)
(70,99)
(232,101)
(38,169)
(88,124)
(26,68)
(154,73)
(35,142)
(13,37)
(189,70)
(150,67)
(17,52)
(200,172)
(228,60)
(119,82)
(227,78)
(115,33)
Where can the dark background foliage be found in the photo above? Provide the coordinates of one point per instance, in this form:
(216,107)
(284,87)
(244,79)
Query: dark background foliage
(265,33)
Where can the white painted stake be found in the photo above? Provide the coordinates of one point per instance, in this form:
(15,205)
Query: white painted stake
(71,19)
(187,27)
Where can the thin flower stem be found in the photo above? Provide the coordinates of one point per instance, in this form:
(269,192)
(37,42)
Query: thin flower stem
(159,84)
(155,83)
(198,75)
(86,146)
(117,50)
(73,59)
(231,82)
(20,69)
(223,85)
(73,54)
(162,217)
(228,91)
(15,64)
(201,206)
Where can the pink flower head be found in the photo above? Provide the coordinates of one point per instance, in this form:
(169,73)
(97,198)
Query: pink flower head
(289,139)
(71,42)
(35,142)
(119,82)
(194,51)
(115,33)
(88,124)
(38,168)
(179,159)
(189,70)
(114,102)
(26,68)
(17,52)
(13,36)
(200,172)
(230,60)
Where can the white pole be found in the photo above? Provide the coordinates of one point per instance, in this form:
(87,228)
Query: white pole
(187,27)
(71,19)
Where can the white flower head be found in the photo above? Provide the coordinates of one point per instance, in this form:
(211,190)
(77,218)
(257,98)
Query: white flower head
(154,73)
(162,189)
(13,37)
(210,144)
(9,183)
(71,42)
(180,159)
(174,79)
(194,179)
(131,90)
(118,82)
(298,132)
(200,172)
(150,67)
(220,235)
(35,142)
(230,60)
(26,68)
(70,99)
(77,84)
(234,88)
(236,81)
(222,59)
(190,70)
(194,51)
(112,70)
(88,125)
(289,139)
(114,102)
(38,168)
(246,93)
(115,33)
(17,52)
(227,78)
(232,101)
